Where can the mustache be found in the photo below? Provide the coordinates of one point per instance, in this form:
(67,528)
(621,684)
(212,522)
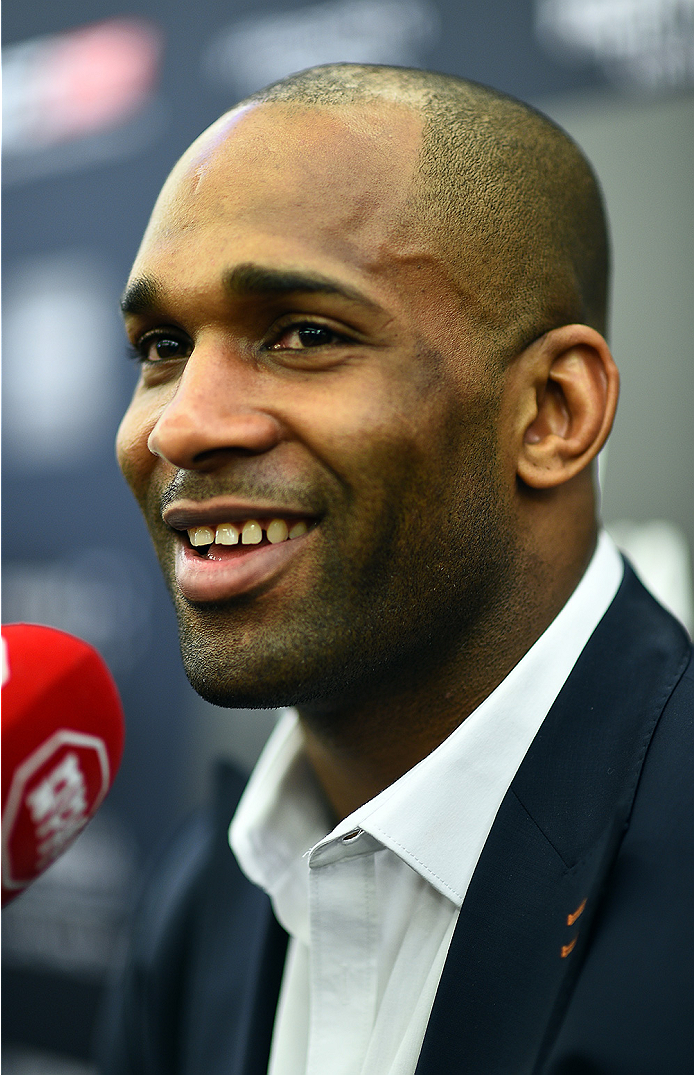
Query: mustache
(191,485)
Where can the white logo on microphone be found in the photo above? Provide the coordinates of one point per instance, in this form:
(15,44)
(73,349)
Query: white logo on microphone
(58,808)
(58,805)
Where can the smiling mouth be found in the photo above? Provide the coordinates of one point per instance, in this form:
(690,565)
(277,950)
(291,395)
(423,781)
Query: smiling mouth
(229,538)
(226,550)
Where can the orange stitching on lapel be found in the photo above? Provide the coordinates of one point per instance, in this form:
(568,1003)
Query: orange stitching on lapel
(577,914)
(566,948)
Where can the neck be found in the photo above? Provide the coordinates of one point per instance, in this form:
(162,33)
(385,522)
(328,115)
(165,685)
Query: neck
(360,746)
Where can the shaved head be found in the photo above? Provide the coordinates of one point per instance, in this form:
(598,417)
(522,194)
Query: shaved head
(508,198)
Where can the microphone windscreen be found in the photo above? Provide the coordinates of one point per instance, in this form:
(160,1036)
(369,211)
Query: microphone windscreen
(62,741)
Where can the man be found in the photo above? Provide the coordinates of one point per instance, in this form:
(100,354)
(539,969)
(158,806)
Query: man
(369,310)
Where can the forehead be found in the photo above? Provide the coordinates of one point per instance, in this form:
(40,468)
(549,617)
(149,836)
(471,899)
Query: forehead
(331,181)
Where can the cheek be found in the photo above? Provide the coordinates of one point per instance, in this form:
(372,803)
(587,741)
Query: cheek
(366,407)
(133,455)
(371,444)
(389,454)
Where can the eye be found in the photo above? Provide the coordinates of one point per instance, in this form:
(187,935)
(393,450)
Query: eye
(305,335)
(160,346)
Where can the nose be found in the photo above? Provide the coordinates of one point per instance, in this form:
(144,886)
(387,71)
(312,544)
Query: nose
(212,416)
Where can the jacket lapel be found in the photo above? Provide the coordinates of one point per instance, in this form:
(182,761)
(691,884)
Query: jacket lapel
(527,916)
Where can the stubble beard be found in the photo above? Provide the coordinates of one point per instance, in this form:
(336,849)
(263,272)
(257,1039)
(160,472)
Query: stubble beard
(388,608)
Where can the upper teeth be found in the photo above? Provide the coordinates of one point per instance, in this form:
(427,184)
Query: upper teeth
(250,532)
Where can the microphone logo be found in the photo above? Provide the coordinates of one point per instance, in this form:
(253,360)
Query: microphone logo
(53,795)
(58,807)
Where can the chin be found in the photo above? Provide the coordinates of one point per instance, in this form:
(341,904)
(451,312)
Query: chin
(261,694)
(239,696)
(323,677)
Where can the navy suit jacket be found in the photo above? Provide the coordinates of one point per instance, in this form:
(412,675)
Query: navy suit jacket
(574,949)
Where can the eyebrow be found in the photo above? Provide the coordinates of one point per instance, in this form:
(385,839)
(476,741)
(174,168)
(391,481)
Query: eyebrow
(257,281)
(143,296)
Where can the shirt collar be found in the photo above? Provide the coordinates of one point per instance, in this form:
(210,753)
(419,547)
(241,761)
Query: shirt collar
(437,816)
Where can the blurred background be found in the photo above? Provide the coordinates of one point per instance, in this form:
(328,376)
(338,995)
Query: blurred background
(99,101)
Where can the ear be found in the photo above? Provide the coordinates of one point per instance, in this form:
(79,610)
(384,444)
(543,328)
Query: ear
(569,399)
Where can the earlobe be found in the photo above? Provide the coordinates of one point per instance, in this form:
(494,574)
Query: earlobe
(572,387)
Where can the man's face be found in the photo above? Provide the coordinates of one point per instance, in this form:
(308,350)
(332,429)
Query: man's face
(306,367)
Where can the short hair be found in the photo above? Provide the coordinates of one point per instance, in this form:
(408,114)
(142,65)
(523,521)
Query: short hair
(513,204)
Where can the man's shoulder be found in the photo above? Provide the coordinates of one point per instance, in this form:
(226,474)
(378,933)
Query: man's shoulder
(585,764)
(631,1007)
(580,903)
(183,868)
(195,919)
(636,634)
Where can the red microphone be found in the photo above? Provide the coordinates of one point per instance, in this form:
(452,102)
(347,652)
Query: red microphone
(62,741)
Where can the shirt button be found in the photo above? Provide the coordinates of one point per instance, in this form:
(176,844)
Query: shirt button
(353,835)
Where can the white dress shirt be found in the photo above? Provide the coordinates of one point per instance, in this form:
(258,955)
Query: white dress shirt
(371,904)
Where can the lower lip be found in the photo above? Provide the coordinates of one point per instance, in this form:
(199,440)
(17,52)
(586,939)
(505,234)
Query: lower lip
(201,579)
